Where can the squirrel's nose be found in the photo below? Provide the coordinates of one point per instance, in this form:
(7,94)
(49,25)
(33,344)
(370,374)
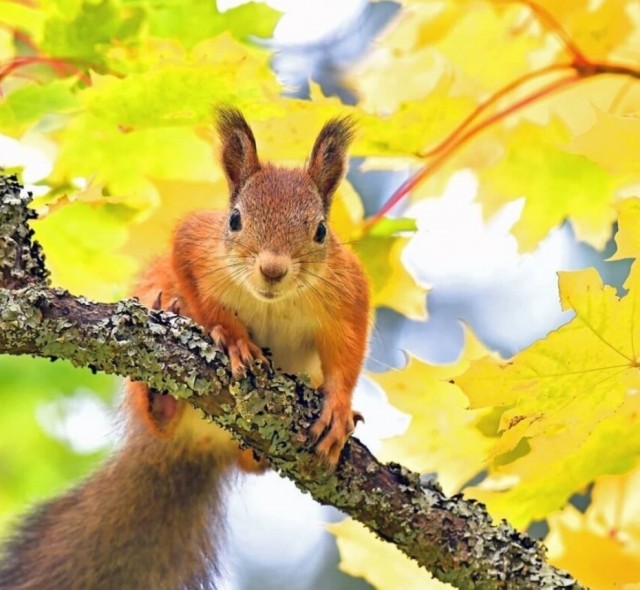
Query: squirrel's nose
(274,269)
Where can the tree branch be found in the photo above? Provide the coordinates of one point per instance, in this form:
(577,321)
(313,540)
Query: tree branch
(453,538)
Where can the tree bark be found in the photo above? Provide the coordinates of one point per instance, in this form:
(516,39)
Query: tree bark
(453,538)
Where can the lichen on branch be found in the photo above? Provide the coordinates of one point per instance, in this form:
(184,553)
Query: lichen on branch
(21,258)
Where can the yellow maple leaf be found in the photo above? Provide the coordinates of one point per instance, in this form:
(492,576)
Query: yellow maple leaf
(176,198)
(83,243)
(7,49)
(595,352)
(404,65)
(602,546)
(564,398)
(124,160)
(382,86)
(285,128)
(442,436)
(612,141)
(382,564)
(595,27)
(347,212)
(405,69)
(392,285)
(556,184)
(420,24)
(177,87)
(628,236)
(424,123)
(499,39)
(541,473)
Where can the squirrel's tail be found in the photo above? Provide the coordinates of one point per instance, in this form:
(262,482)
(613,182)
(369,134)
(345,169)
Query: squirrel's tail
(145,520)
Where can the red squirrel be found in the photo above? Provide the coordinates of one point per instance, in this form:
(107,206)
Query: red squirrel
(267,273)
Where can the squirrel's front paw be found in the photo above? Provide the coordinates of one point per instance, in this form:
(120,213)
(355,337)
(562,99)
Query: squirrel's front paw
(239,347)
(334,426)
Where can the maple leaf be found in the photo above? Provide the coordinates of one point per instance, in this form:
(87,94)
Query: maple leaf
(191,21)
(612,140)
(124,160)
(83,243)
(393,285)
(382,564)
(442,436)
(608,532)
(24,18)
(556,184)
(184,89)
(562,398)
(499,38)
(596,28)
(628,237)
(539,475)
(27,104)
(81,30)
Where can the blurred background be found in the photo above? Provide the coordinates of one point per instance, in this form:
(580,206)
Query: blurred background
(471,263)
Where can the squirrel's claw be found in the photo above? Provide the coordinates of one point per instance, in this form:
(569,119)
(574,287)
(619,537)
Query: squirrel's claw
(157,303)
(357,417)
(238,368)
(332,430)
(241,351)
(174,306)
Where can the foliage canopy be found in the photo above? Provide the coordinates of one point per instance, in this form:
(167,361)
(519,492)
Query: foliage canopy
(540,99)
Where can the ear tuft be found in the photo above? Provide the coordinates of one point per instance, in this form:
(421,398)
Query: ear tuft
(328,162)
(239,154)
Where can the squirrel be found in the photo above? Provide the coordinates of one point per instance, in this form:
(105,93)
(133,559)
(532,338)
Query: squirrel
(267,273)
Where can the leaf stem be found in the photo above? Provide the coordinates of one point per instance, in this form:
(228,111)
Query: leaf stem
(548,21)
(491,101)
(430,168)
(57,64)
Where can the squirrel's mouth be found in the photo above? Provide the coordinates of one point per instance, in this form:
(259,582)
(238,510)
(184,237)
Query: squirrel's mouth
(268,295)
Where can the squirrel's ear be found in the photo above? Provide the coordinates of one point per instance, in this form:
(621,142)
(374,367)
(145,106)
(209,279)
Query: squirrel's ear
(328,162)
(239,154)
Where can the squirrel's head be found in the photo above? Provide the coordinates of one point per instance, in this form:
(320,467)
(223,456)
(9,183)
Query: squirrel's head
(276,234)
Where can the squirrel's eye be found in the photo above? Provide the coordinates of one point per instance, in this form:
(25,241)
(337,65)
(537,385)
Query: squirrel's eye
(235,221)
(321,233)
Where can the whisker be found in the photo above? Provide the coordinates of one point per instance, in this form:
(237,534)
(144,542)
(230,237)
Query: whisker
(321,278)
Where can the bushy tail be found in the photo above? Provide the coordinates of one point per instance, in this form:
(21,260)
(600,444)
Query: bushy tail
(145,520)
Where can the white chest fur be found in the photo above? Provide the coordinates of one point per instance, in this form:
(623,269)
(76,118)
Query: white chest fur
(286,327)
